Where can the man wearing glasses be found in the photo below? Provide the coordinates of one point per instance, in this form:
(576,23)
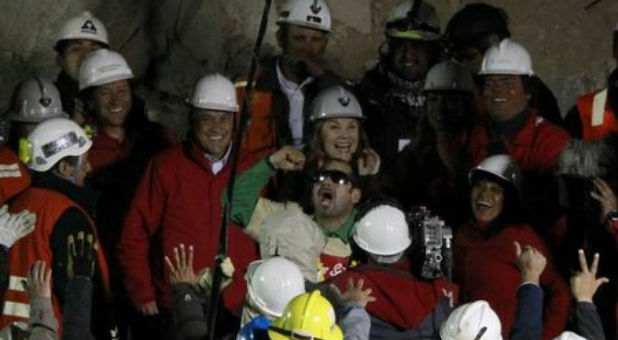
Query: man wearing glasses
(334,195)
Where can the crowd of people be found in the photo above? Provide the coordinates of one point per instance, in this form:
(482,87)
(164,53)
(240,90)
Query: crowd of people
(444,196)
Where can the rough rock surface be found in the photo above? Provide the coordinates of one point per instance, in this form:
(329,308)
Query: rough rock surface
(170,43)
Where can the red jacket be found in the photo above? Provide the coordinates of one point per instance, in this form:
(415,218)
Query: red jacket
(178,201)
(486,269)
(14,177)
(536,147)
(402,300)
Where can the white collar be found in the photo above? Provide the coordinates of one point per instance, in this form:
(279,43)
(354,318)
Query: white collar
(216,165)
(288,85)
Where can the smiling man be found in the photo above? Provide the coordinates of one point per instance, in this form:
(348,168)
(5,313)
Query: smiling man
(513,127)
(392,92)
(334,194)
(124,142)
(176,203)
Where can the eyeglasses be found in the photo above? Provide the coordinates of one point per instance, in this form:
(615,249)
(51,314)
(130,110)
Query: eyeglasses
(336,176)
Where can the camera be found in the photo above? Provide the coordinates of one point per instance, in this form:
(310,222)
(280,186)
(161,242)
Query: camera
(432,244)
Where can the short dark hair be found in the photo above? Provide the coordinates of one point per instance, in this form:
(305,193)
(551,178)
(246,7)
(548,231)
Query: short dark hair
(472,25)
(71,160)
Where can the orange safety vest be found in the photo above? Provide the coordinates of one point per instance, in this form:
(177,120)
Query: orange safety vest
(14,177)
(260,136)
(598,119)
(48,206)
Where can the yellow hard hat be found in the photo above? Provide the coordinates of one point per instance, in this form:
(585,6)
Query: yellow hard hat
(307,316)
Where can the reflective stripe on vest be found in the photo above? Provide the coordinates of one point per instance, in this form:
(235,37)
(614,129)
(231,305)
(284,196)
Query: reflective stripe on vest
(598,108)
(16,309)
(17,283)
(597,118)
(13,308)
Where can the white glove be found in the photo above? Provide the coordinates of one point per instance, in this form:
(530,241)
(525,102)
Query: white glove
(15,226)
(227,268)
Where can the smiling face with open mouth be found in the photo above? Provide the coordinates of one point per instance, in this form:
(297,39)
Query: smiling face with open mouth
(213,130)
(411,59)
(504,95)
(487,200)
(112,103)
(340,138)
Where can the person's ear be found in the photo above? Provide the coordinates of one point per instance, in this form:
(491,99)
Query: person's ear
(356,195)
(64,169)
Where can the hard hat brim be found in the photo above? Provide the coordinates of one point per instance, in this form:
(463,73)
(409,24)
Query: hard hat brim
(305,24)
(413,35)
(506,72)
(108,80)
(382,253)
(16,117)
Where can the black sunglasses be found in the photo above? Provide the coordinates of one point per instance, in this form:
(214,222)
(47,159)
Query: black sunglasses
(336,176)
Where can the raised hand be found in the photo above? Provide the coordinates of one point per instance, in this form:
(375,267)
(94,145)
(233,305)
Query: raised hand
(584,283)
(530,262)
(288,159)
(39,281)
(181,271)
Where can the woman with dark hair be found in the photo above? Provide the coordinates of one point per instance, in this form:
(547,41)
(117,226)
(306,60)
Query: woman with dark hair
(485,266)
(431,170)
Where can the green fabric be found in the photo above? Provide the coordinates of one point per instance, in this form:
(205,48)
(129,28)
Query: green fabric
(247,191)
(347,228)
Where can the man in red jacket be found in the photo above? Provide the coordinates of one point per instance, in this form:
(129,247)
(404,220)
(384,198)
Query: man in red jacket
(405,307)
(513,127)
(177,203)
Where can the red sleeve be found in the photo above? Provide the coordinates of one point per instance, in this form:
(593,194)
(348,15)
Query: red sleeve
(143,220)
(552,140)
(14,177)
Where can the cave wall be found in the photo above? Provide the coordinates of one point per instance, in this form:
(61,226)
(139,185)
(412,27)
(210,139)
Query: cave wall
(170,43)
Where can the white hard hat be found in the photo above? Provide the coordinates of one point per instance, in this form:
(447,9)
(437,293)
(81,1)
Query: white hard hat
(413,20)
(508,57)
(335,102)
(569,336)
(383,230)
(306,13)
(449,76)
(272,283)
(51,141)
(472,321)
(103,67)
(501,166)
(215,92)
(83,26)
(35,101)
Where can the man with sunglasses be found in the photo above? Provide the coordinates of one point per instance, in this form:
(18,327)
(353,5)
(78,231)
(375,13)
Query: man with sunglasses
(334,195)
(392,90)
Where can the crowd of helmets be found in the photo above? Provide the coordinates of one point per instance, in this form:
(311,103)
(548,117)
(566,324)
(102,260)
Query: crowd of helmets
(111,228)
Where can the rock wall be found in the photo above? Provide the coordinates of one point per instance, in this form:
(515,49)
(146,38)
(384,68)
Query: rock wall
(170,43)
